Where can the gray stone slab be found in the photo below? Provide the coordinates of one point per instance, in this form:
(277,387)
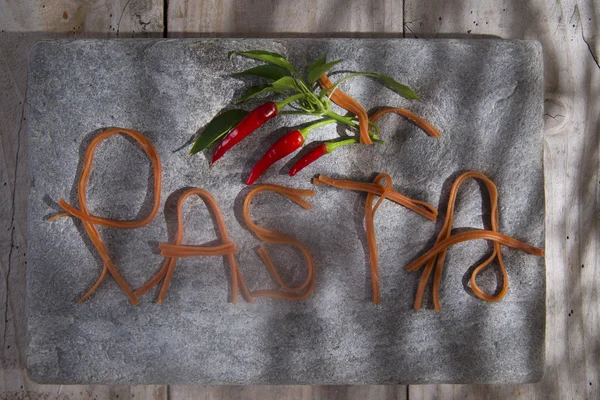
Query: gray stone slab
(484,95)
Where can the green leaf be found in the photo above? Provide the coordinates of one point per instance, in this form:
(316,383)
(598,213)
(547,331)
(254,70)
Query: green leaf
(318,68)
(253,91)
(267,71)
(268,57)
(397,87)
(286,83)
(317,63)
(217,128)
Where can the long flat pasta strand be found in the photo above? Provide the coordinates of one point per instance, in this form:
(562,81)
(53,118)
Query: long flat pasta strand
(437,255)
(446,231)
(156,278)
(481,234)
(348,103)
(420,122)
(371,237)
(173,251)
(274,237)
(420,207)
(384,192)
(89,221)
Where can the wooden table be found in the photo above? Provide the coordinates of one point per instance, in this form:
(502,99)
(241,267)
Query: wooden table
(569,33)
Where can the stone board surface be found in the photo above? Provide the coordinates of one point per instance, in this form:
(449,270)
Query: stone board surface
(484,95)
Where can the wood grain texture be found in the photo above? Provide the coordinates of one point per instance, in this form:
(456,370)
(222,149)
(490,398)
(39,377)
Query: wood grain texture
(284,18)
(122,18)
(22,23)
(32,390)
(375,392)
(568,31)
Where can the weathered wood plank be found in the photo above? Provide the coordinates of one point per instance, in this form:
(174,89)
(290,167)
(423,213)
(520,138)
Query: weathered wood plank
(23,23)
(31,390)
(355,392)
(371,392)
(568,33)
(121,18)
(272,18)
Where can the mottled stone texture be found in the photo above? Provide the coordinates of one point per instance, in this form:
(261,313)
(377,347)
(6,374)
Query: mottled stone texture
(484,95)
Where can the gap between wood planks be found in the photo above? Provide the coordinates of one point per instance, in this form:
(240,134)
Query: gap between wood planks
(12,220)
(165,31)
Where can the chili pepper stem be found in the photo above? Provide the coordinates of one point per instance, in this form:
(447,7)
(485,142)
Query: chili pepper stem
(350,122)
(331,146)
(297,113)
(339,118)
(289,100)
(304,131)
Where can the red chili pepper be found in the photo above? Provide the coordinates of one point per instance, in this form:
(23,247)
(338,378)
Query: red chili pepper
(308,158)
(318,152)
(249,124)
(283,147)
